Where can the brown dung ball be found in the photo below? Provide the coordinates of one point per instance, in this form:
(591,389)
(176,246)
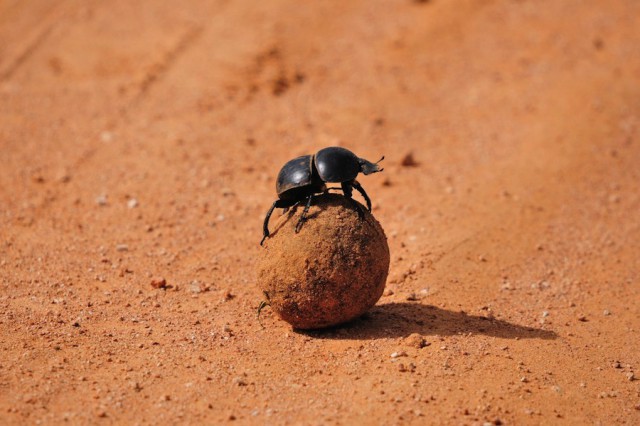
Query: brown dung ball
(332,271)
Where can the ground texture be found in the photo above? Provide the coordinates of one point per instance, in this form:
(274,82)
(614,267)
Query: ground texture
(139,144)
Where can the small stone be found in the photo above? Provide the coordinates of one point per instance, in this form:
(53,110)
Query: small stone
(409,161)
(524,380)
(582,318)
(415,340)
(631,376)
(159,282)
(387,292)
(106,136)
(101,200)
(195,287)
(606,313)
(412,297)
(398,354)
(616,364)
(122,247)
(132,203)
(239,381)
(545,314)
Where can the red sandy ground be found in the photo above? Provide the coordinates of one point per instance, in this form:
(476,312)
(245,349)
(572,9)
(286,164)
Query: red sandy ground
(514,237)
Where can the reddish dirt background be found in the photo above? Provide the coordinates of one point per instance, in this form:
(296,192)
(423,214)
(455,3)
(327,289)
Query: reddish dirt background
(142,140)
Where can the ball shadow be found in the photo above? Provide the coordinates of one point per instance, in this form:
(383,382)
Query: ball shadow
(393,320)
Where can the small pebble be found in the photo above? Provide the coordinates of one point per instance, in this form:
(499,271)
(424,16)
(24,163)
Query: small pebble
(409,161)
(101,200)
(412,297)
(132,203)
(631,376)
(240,381)
(416,340)
(194,287)
(122,247)
(106,136)
(159,282)
(398,354)
(606,313)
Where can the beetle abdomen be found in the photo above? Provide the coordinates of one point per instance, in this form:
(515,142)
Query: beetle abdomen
(336,164)
(295,173)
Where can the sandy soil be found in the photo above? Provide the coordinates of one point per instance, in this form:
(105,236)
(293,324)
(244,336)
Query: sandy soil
(140,140)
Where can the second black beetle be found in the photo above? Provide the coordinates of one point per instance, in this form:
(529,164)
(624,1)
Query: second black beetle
(303,177)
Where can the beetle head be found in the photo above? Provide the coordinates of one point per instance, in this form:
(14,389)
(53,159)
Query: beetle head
(367,167)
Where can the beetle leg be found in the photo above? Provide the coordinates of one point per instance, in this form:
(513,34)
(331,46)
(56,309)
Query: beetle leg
(361,190)
(303,216)
(347,189)
(262,305)
(286,209)
(265,226)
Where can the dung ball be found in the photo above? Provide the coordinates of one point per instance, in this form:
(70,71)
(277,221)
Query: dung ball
(330,272)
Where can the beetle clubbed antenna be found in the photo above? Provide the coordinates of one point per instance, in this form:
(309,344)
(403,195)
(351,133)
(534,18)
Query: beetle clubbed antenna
(368,167)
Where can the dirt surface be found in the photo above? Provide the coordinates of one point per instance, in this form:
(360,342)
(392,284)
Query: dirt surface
(140,141)
(333,270)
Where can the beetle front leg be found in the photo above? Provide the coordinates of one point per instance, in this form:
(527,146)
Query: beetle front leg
(347,189)
(361,190)
(281,204)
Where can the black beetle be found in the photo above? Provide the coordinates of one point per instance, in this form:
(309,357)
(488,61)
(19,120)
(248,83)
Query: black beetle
(303,177)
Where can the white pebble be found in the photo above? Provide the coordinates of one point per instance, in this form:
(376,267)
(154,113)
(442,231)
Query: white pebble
(106,136)
(101,200)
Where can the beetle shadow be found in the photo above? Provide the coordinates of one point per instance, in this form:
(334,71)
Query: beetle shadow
(393,320)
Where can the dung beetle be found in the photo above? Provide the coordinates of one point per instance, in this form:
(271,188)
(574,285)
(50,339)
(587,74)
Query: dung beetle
(304,177)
